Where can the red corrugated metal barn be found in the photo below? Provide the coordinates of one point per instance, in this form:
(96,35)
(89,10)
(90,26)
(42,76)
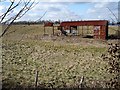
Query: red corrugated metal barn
(100,27)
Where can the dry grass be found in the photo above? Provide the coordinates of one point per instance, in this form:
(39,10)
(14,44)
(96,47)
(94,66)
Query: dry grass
(61,61)
(113,30)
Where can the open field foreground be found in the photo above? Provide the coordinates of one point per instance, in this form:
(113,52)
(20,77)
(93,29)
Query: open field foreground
(60,61)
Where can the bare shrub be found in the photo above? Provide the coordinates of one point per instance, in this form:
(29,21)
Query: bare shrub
(113,59)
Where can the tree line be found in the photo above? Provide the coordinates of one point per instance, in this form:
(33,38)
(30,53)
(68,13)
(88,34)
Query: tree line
(35,22)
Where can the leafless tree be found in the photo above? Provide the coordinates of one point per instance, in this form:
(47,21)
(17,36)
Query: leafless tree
(117,19)
(8,18)
(113,14)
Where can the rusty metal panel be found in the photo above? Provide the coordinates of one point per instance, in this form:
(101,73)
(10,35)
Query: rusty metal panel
(48,24)
(96,32)
(100,31)
(100,25)
(66,27)
(103,32)
(96,37)
(102,37)
(84,23)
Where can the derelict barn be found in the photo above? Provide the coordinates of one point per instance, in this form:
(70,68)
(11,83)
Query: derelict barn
(98,28)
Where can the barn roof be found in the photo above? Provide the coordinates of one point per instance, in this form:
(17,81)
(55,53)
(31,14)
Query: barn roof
(84,23)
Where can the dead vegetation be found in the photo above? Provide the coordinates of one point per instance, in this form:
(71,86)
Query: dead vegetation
(113,60)
(61,62)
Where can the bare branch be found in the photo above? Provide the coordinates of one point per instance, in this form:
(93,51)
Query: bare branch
(9,10)
(112,19)
(42,16)
(113,14)
(6,12)
(12,1)
(26,3)
(27,6)
(15,5)
(11,18)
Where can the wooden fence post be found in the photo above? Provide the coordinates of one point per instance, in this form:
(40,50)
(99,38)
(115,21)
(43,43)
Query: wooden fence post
(53,30)
(44,30)
(81,82)
(36,78)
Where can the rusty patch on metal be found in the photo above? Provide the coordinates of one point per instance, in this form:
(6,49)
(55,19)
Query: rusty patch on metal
(100,27)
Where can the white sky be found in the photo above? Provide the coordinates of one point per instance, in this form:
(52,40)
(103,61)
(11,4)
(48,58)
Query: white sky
(68,10)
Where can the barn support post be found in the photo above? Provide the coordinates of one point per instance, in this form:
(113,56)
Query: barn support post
(106,29)
(93,32)
(44,30)
(82,30)
(53,30)
(70,29)
(87,29)
(78,30)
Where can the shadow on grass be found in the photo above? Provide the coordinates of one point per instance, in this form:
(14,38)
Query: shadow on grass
(88,36)
(14,85)
(113,37)
(110,37)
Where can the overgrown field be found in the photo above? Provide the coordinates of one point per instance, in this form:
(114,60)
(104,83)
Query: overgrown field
(60,61)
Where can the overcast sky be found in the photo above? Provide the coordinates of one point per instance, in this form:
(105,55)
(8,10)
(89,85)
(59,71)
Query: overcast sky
(68,10)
